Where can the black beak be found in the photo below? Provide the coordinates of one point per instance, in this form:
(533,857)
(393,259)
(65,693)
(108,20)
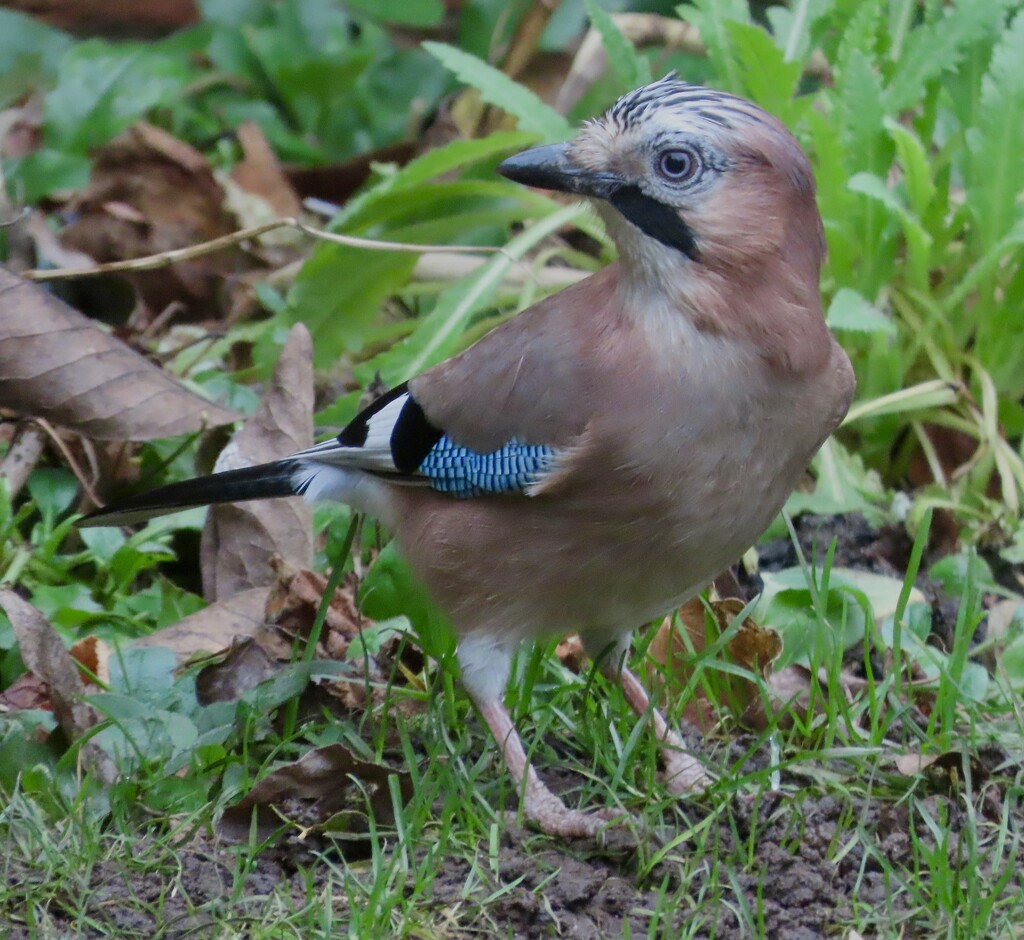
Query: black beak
(550,167)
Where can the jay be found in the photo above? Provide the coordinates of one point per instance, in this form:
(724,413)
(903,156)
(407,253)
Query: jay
(595,461)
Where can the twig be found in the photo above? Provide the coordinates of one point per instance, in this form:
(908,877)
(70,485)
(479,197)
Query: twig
(434,267)
(165,259)
(22,455)
(76,469)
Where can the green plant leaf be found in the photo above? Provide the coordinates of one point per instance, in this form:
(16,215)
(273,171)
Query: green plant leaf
(767,77)
(631,69)
(23,35)
(102,88)
(711,17)
(437,335)
(390,590)
(403,12)
(792,26)
(919,240)
(939,46)
(498,89)
(997,144)
(842,484)
(850,310)
(917,172)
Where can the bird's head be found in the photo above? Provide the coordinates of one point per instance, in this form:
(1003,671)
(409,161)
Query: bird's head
(688,178)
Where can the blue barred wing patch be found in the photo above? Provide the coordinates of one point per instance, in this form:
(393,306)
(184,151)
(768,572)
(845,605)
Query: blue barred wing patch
(451,468)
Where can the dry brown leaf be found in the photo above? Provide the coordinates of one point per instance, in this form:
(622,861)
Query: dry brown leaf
(293,604)
(571,653)
(112,18)
(213,628)
(93,658)
(57,364)
(149,193)
(260,174)
(952,762)
(47,657)
(753,647)
(240,540)
(316,787)
(243,667)
(26,692)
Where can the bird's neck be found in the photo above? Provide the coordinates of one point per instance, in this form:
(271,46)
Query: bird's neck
(771,309)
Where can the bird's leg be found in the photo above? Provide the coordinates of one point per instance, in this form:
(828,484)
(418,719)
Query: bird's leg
(485,661)
(539,804)
(684,773)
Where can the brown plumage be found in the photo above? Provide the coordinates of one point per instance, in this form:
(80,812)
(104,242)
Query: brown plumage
(676,396)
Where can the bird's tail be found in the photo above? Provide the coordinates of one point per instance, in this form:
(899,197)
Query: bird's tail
(265,481)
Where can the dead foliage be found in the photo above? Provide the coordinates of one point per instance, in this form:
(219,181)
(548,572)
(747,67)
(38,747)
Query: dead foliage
(327,789)
(239,540)
(49,660)
(57,364)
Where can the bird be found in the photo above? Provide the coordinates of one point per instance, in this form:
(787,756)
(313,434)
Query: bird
(595,461)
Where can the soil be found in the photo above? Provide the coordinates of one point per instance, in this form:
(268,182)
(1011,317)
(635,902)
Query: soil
(810,862)
(579,891)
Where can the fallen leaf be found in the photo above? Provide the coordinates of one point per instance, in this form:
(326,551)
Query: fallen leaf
(243,667)
(753,647)
(571,653)
(951,762)
(213,628)
(57,364)
(46,656)
(292,607)
(26,692)
(93,656)
(149,193)
(260,174)
(109,17)
(325,782)
(239,540)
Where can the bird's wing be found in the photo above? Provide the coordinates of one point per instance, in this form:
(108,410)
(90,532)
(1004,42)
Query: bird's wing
(494,419)
(394,439)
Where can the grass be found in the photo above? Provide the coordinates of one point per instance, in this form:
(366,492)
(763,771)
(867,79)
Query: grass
(809,814)
(915,139)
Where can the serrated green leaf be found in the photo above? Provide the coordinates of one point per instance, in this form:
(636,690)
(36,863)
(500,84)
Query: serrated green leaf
(850,310)
(939,47)
(767,77)
(859,35)
(792,26)
(859,91)
(997,144)
(842,484)
(917,172)
(918,239)
(497,88)
(631,69)
(711,17)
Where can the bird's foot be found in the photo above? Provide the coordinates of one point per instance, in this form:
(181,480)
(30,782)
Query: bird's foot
(553,817)
(684,773)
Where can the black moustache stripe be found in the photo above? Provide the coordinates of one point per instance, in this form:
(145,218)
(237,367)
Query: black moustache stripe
(655,219)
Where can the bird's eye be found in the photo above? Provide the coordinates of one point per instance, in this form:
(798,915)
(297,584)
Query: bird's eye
(678,166)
